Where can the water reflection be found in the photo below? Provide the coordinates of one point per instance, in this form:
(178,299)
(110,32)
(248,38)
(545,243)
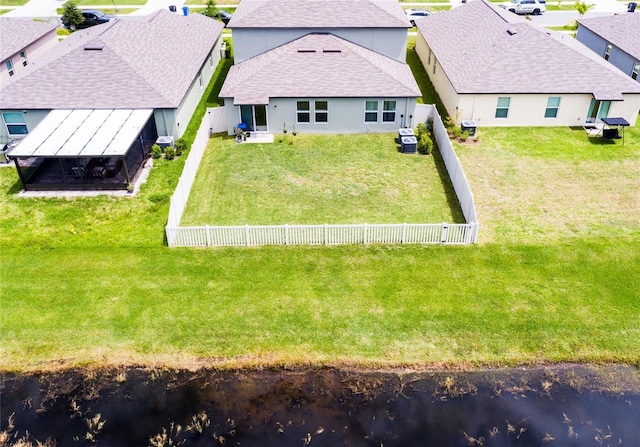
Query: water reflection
(566,406)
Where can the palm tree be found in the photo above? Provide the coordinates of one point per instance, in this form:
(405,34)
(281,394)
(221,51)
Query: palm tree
(582,8)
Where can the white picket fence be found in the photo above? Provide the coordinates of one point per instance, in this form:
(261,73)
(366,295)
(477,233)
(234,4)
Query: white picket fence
(404,233)
(322,234)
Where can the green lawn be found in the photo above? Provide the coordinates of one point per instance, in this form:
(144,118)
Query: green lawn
(316,179)
(90,281)
(13,2)
(549,184)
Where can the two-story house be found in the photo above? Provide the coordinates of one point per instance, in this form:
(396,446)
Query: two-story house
(499,69)
(616,39)
(21,42)
(320,66)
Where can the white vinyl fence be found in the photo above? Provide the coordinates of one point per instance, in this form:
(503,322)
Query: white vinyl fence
(316,234)
(456,174)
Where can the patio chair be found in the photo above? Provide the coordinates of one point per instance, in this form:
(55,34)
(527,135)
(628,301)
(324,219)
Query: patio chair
(77,171)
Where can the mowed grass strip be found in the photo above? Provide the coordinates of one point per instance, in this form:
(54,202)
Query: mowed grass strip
(349,305)
(541,185)
(317,179)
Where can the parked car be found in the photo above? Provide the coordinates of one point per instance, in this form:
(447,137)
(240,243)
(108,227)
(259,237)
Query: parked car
(92,17)
(413,14)
(224,16)
(534,7)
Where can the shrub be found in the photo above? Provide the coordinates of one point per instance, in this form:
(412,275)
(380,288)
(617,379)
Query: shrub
(181,146)
(464,135)
(156,151)
(423,137)
(455,132)
(169,153)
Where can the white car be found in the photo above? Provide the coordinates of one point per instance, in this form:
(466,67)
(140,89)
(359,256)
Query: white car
(414,14)
(534,7)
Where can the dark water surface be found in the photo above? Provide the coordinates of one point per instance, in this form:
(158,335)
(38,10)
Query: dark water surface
(555,406)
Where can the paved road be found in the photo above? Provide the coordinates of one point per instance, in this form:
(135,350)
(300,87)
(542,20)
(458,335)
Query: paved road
(47,8)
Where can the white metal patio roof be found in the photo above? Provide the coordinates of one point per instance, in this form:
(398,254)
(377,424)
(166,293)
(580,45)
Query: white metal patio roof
(83,133)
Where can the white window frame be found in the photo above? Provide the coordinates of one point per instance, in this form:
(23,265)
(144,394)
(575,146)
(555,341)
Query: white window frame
(500,108)
(303,112)
(318,112)
(389,112)
(373,112)
(607,52)
(21,123)
(23,57)
(552,108)
(200,79)
(9,64)
(635,70)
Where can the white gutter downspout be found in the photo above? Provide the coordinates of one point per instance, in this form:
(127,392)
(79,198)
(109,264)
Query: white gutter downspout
(473,112)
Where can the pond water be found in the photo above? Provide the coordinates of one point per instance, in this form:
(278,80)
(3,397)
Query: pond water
(560,405)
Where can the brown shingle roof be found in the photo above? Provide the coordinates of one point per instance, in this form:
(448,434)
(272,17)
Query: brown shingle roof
(17,34)
(319,14)
(621,30)
(146,63)
(484,49)
(318,65)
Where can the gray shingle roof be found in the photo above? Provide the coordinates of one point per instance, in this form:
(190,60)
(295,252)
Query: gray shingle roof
(17,34)
(622,30)
(484,49)
(318,65)
(319,14)
(146,63)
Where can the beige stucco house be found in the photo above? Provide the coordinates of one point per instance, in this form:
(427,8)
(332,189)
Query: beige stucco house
(499,69)
(21,42)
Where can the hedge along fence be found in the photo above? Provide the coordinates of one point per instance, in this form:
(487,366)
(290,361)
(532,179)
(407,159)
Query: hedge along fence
(247,235)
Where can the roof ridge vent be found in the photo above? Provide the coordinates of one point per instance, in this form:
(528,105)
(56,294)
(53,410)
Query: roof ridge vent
(331,50)
(306,50)
(94,47)
(512,31)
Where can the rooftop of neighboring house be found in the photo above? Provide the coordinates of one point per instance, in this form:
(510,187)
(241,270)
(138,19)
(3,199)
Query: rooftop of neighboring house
(16,34)
(319,14)
(621,30)
(485,49)
(325,66)
(148,63)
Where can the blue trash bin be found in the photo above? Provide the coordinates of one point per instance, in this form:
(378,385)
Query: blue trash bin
(185,10)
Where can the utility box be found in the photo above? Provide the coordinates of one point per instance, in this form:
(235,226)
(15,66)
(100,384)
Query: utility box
(408,145)
(164,142)
(223,50)
(468,126)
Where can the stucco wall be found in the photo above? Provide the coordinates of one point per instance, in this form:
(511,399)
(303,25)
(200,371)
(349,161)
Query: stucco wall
(439,79)
(191,100)
(247,43)
(529,109)
(598,45)
(346,115)
(34,51)
(31,118)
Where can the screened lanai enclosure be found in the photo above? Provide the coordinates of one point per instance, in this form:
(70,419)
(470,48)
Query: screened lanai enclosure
(95,149)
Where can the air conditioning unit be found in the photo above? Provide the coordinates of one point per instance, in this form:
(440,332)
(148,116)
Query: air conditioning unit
(165,142)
